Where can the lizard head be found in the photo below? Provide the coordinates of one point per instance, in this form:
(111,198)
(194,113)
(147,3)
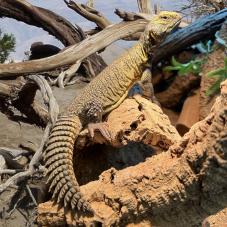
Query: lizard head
(160,26)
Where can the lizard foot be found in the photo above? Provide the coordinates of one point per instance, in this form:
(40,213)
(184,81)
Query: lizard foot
(102,127)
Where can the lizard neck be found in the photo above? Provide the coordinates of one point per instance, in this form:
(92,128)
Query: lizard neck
(136,58)
(147,44)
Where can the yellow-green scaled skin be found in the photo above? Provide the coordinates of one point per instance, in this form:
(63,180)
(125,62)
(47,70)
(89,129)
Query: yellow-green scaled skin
(103,94)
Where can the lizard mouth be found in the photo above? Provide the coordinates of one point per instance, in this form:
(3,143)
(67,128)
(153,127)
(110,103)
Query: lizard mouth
(176,26)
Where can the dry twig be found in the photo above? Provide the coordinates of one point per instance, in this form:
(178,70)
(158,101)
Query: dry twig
(89,13)
(53,112)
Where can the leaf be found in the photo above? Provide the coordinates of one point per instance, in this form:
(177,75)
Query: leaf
(214,73)
(194,66)
(175,62)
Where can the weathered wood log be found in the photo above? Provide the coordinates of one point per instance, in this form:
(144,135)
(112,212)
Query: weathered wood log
(53,111)
(54,24)
(199,30)
(159,192)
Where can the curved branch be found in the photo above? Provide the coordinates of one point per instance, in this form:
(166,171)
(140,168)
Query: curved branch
(89,13)
(76,52)
(43,18)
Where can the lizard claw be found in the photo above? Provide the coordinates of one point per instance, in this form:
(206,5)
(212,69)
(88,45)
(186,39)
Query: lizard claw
(102,127)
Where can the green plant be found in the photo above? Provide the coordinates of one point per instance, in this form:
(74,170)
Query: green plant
(7,45)
(194,66)
(221,74)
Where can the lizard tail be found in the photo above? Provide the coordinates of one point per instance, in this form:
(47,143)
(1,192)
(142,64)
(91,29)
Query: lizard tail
(59,163)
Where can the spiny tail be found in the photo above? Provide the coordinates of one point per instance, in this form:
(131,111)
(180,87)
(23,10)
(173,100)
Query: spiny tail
(59,163)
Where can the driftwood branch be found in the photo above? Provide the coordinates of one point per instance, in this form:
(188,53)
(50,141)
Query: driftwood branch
(160,190)
(89,13)
(76,52)
(199,30)
(131,16)
(53,112)
(54,24)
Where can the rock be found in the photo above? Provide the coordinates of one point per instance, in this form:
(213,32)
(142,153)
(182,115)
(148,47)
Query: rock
(217,220)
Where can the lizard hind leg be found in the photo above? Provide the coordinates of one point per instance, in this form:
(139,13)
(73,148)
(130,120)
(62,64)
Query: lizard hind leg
(94,115)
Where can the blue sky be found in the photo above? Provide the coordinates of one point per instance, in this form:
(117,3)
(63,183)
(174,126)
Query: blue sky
(26,35)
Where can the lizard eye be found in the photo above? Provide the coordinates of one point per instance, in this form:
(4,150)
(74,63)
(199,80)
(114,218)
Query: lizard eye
(164,17)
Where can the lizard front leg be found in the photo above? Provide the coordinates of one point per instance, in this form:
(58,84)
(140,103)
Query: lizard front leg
(145,87)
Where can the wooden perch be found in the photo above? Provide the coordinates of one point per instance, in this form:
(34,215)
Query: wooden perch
(192,173)
(199,30)
(54,24)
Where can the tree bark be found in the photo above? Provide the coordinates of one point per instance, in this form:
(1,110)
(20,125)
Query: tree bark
(159,192)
